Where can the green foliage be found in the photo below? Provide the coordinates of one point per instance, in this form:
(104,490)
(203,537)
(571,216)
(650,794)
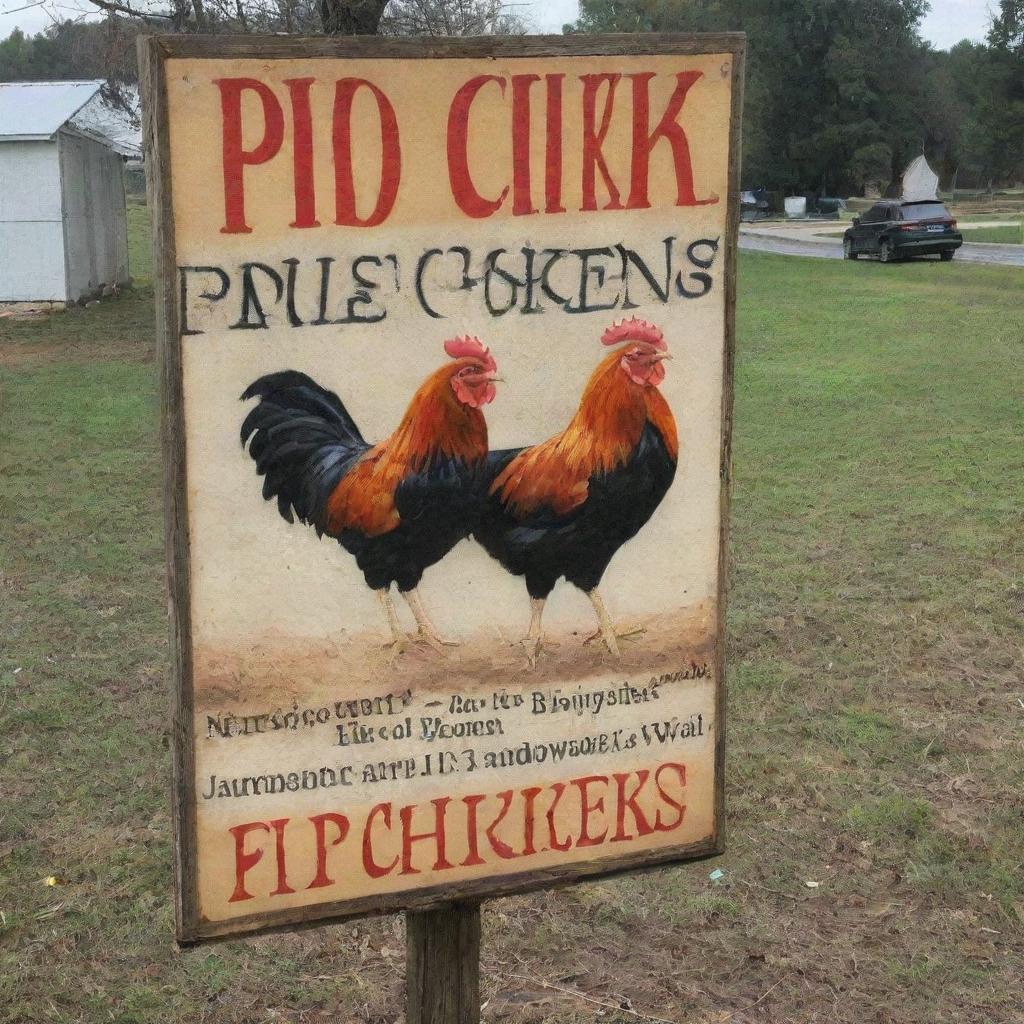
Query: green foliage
(1001,113)
(872,162)
(840,95)
(73,50)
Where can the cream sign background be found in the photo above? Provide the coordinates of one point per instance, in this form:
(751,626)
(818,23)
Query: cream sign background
(524,196)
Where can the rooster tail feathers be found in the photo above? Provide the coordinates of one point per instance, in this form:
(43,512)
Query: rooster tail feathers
(303,441)
(295,391)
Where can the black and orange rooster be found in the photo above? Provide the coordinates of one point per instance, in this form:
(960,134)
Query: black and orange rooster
(398,506)
(565,506)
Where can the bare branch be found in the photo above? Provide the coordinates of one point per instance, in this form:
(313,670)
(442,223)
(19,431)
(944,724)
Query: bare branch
(116,8)
(27,7)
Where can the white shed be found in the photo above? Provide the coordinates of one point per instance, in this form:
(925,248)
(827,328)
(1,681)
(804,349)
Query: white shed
(63,232)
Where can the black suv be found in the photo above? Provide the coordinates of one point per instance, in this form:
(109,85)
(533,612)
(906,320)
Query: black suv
(894,230)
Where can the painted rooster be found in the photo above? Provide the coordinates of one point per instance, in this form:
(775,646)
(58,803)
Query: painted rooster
(565,506)
(398,506)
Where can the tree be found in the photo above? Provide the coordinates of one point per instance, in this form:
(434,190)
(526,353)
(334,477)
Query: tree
(1001,110)
(330,17)
(831,85)
(75,50)
(351,18)
(450,18)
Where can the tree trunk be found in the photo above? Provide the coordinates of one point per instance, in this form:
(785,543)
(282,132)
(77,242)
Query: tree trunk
(351,17)
(180,11)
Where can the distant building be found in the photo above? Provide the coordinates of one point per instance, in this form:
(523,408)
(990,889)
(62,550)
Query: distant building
(63,232)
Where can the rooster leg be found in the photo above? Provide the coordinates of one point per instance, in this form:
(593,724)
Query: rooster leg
(534,639)
(536,611)
(604,622)
(397,636)
(427,631)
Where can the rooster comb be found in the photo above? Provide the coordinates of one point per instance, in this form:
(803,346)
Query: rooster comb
(466,346)
(635,330)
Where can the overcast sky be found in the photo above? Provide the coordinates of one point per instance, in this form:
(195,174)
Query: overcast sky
(949,21)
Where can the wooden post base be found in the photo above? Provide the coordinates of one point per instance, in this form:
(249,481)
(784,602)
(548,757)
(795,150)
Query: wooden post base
(443,965)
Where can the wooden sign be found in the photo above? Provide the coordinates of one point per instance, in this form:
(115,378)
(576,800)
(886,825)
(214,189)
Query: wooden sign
(446,334)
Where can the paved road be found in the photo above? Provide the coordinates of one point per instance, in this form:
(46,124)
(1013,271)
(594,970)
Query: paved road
(826,248)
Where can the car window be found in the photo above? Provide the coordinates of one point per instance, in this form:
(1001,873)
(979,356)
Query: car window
(925,211)
(873,215)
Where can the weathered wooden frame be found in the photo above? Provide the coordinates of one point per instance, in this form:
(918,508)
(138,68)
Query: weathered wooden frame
(153,52)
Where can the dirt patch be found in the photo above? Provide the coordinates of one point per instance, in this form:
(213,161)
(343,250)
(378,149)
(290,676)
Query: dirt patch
(270,670)
(16,311)
(60,351)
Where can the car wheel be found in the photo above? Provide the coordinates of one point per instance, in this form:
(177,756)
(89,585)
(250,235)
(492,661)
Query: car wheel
(848,253)
(946,255)
(886,253)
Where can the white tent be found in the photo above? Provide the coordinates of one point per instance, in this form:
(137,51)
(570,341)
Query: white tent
(920,182)
(63,234)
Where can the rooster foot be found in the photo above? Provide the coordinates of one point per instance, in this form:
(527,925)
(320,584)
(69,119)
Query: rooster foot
(534,648)
(418,643)
(435,641)
(395,647)
(611,641)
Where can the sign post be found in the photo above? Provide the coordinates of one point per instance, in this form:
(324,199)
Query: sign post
(442,976)
(445,336)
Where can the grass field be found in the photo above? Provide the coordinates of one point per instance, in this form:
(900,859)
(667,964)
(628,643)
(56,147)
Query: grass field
(1005,235)
(876,696)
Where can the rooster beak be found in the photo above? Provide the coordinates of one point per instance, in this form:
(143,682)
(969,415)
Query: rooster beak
(492,378)
(661,355)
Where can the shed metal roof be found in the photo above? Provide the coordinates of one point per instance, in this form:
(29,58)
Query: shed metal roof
(37,110)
